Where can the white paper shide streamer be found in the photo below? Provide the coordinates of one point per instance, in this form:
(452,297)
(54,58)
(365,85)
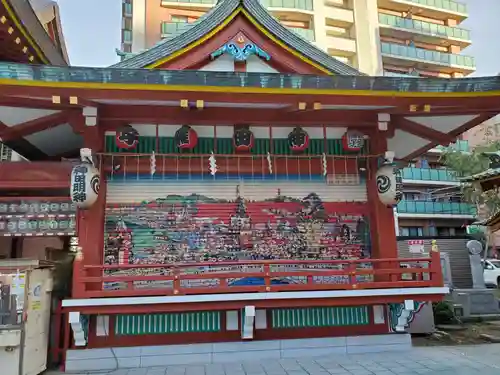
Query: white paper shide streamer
(212,162)
(152,164)
(269,163)
(325,164)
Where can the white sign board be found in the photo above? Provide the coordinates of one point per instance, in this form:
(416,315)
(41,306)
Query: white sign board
(416,246)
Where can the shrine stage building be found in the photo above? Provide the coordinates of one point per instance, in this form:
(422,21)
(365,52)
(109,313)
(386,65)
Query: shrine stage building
(235,189)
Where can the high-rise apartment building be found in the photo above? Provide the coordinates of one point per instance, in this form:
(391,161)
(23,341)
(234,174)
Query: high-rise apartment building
(391,37)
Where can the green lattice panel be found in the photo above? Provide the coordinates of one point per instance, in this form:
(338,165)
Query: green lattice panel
(320,317)
(147,324)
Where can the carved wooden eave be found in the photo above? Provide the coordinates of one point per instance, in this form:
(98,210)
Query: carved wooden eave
(23,36)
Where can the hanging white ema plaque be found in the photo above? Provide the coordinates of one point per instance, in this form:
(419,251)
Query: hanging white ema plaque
(85,182)
(389,184)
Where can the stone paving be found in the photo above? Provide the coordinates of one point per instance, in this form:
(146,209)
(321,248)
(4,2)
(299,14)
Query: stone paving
(458,360)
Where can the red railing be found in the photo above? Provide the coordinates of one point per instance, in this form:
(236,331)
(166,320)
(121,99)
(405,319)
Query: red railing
(119,165)
(92,281)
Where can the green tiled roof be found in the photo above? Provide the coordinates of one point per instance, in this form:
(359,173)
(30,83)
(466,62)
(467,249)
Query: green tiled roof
(493,219)
(492,172)
(487,174)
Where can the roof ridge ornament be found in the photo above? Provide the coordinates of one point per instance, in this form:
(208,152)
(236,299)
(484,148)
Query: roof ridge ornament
(241,48)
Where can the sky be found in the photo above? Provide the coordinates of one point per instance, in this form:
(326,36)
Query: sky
(92,29)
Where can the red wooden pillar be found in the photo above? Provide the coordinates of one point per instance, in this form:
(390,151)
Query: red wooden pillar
(91,221)
(382,230)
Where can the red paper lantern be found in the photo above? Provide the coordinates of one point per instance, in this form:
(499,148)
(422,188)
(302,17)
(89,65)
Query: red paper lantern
(243,139)
(298,140)
(186,138)
(353,141)
(127,138)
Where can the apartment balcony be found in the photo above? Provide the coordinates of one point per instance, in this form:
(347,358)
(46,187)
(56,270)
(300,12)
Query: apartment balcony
(397,54)
(428,176)
(429,209)
(437,9)
(340,46)
(399,75)
(170,28)
(461,146)
(127,10)
(336,16)
(307,34)
(200,5)
(284,7)
(421,31)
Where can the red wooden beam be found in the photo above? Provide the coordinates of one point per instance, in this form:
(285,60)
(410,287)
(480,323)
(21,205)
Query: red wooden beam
(34,126)
(20,102)
(174,94)
(77,122)
(34,175)
(229,116)
(422,131)
(455,133)
(449,111)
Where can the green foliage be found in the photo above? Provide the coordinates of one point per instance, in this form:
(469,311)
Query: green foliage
(443,313)
(467,164)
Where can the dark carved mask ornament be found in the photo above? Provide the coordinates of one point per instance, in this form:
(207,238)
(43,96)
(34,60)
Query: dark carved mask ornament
(298,139)
(127,138)
(353,140)
(243,139)
(186,138)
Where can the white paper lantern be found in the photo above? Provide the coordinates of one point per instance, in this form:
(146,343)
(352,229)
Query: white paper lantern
(389,185)
(85,182)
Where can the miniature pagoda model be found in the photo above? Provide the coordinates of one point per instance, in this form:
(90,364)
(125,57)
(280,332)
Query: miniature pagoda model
(234,183)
